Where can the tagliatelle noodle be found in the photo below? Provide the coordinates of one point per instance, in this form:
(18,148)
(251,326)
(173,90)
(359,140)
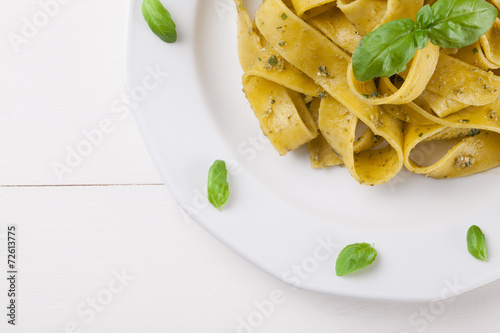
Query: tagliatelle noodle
(367,15)
(334,25)
(311,8)
(472,154)
(323,54)
(282,113)
(446,96)
(421,70)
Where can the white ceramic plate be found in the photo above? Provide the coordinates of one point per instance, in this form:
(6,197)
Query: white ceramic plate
(284,217)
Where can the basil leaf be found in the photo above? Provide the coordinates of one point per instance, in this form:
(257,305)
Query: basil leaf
(218,188)
(425,17)
(355,257)
(476,243)
(385,51)
(159,20)
(458,23)
(421,38)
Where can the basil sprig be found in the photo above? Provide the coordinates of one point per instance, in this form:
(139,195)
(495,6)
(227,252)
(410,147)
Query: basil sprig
(218,188)
(355,257)
(159,20)
(448,24)
(476,243)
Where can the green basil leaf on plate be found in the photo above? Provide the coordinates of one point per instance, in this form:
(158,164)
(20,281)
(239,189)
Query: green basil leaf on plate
(425,17)
(421,38)
(448,23)
(159,20)
(385,51)
(476,243)
(355,257)
(218,187)
(459,23)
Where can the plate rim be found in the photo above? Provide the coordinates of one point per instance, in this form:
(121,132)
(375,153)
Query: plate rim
(153,151)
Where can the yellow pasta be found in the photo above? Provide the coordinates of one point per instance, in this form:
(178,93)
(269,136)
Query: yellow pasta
(282,113)
(311,8)
(335,25)
(299,80)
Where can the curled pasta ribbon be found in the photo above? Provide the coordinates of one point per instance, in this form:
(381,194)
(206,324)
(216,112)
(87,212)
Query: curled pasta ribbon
(463,82)
(473,152)
(282,113)
(490,41)
(474,132)
(334,25)
(423,110)
(418,112)
(415,112)
(282,73)
(327,66)
(456,80)
(474,55)
(338,126)
(490,45)
(249,42)
(397,9)
(255,59)
(286,122)
(441,106)
(321,153)
(421,70)
(311,8)
(367,15)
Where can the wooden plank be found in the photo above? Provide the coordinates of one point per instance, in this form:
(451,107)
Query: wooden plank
(60,85)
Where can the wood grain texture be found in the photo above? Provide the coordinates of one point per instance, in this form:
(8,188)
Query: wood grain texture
(59,84)
(74,240)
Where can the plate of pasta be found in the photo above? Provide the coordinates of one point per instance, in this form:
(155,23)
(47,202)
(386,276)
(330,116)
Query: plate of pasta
(341,122)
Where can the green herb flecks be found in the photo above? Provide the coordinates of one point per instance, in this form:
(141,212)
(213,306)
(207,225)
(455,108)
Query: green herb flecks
(323,71)
(473,132)
(272,61)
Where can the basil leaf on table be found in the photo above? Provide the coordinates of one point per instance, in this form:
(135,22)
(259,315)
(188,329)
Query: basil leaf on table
(218,188)
(458,23)
(355,257)
(476,243)
(159,20)
(385,51)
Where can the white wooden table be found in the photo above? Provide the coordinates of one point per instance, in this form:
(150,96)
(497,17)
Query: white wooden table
(102,246)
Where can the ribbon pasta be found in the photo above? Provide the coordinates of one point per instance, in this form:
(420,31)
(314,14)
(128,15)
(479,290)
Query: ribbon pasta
(440,117)
(311,8)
